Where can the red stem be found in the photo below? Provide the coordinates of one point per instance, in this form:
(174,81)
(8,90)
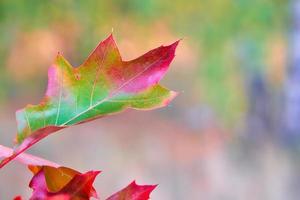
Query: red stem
(25,158)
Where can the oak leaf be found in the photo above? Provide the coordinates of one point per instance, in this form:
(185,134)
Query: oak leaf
(103,85)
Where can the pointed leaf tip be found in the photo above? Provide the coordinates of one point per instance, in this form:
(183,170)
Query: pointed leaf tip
(133,192)
(172,96)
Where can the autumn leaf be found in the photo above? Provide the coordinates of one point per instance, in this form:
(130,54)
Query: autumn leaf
(104,84)
(133,192)
(62,183)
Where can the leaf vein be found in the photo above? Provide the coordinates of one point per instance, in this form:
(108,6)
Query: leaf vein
(97,76)
(113,94)
(60,96)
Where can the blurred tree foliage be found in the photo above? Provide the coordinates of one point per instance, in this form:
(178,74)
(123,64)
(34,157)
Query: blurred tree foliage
(233,36)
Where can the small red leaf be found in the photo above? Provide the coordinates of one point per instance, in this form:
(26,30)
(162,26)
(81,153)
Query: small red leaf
(62,183)
(18,198)
(133,192)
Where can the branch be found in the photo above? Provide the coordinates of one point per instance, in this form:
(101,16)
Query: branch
(25,158)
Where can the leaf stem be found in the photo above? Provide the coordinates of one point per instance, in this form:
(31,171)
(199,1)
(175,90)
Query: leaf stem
(25,158)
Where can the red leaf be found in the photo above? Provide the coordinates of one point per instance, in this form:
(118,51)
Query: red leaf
(18,198)
(62,183)
(133,192)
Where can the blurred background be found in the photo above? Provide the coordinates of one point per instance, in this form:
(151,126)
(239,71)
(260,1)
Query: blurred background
(233,132)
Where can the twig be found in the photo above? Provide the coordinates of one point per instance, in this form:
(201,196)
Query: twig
(25,158)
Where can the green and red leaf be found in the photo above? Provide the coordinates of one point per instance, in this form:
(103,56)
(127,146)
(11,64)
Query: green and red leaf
(103,85)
